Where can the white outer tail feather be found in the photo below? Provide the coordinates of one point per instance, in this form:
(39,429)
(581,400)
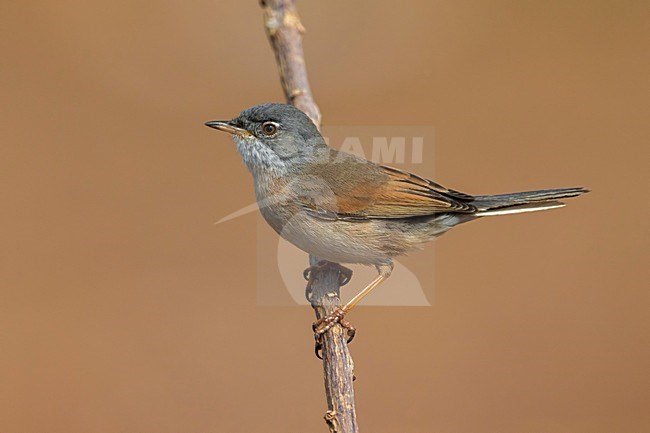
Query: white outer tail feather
(513,210)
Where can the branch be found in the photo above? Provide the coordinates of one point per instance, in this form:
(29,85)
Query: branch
(285,31)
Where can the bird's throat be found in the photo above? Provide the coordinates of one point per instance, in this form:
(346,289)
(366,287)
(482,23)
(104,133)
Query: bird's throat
(258,158)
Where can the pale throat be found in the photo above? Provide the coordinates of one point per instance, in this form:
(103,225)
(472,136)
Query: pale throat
(258,158)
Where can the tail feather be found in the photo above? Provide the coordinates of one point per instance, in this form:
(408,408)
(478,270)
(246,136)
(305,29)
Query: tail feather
(529,201)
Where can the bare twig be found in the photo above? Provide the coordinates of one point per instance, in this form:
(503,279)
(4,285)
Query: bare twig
(285,31)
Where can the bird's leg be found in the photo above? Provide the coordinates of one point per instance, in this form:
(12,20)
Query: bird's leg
(345,275)
(326,323)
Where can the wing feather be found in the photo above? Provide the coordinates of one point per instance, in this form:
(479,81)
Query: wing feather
(371,191)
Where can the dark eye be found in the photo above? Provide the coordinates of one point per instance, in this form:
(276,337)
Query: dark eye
(269,128)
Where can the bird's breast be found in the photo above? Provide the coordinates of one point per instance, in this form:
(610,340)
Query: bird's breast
(276,203)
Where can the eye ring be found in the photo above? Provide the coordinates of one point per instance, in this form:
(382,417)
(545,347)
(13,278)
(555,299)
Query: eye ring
(269,128)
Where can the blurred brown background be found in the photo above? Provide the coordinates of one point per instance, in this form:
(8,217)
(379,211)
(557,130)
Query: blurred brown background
(124,309)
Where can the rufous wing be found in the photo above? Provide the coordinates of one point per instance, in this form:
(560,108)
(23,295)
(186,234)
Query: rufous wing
(354,189)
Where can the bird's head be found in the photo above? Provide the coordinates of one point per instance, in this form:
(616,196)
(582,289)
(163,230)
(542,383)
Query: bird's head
(274,138)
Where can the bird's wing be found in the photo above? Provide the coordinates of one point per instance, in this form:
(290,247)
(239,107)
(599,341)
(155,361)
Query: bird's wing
(351,188)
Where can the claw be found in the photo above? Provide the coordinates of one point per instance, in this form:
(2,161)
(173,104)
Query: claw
(308,290)
(321,326)
(351,330)
(318,343)
(345,275)
(307,273)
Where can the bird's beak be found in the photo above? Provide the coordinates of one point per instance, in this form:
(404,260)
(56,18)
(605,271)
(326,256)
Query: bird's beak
(227,126)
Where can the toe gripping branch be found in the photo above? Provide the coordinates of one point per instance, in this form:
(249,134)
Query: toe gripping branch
(321,326)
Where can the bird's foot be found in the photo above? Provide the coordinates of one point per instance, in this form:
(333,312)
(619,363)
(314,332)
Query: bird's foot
(321,326)
(345,274)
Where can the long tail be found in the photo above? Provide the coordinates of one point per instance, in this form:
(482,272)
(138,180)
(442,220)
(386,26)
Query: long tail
(529,201)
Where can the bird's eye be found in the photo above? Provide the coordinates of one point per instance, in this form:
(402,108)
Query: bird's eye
(269,128)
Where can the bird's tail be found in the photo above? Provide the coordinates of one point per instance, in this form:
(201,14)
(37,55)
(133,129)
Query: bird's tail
(529,201)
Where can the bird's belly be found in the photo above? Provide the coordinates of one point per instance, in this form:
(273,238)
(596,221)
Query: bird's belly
(370,242)
(336,241)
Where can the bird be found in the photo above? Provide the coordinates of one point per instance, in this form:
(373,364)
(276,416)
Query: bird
(345,209)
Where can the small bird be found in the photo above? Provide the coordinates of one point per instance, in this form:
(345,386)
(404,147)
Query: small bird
(344,209)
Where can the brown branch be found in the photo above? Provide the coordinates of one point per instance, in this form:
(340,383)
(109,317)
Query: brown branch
(285,31)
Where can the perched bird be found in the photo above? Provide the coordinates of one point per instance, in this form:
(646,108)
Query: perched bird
(344,209)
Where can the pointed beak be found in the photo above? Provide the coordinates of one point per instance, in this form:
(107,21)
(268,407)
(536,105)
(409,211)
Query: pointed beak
(227,126)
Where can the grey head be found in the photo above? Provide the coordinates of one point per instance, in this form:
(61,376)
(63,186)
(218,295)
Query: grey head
(274,139)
